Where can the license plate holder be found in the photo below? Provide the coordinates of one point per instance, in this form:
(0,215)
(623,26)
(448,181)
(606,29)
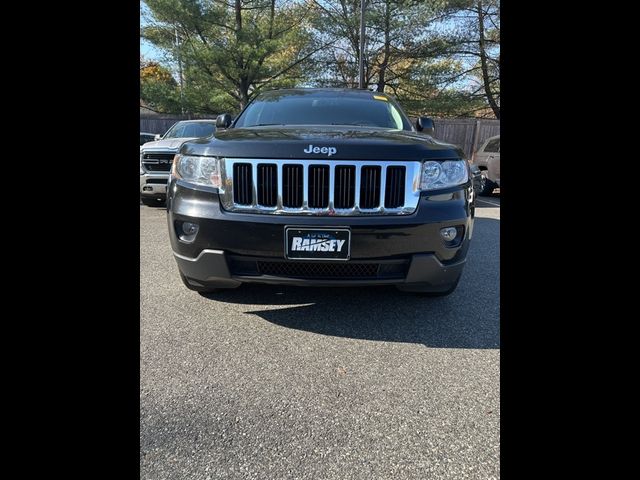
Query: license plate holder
(303,243)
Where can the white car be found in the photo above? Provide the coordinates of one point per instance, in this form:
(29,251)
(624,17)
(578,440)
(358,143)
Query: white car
(156,157)
(487,159)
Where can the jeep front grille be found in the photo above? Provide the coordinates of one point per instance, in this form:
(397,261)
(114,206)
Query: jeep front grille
(331,187)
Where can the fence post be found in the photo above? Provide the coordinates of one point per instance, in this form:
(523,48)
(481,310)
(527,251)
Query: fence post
(474,143)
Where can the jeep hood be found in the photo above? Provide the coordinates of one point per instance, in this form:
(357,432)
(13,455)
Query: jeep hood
(350,143)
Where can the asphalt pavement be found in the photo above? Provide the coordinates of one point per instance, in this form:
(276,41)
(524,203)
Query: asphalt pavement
(269,382)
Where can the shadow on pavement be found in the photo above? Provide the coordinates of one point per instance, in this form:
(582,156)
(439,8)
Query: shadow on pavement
(468,318)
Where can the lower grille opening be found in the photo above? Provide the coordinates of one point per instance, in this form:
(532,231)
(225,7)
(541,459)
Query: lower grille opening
(246,266)
(315,270)
(319,270)
(242,267)
(160,181)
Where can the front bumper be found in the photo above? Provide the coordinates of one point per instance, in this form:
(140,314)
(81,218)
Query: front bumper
(211,268)
(154,185)
(230,248)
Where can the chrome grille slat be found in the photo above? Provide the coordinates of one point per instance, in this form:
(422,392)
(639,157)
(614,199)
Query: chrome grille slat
(280,186)
(317,187)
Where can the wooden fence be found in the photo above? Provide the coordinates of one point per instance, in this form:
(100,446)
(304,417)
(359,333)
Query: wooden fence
(468,133)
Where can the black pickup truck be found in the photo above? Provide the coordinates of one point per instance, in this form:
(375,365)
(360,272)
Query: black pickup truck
(321,187)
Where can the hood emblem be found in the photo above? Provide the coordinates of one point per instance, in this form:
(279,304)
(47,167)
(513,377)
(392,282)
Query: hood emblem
(328,151)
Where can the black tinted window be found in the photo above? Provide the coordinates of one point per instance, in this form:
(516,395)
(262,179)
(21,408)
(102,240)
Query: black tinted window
(493,146)
(309,109)
(145,139)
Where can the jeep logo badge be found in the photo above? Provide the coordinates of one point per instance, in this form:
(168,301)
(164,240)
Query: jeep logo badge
(326,150)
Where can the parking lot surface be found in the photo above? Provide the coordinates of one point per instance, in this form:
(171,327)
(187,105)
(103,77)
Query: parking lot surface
(268,382)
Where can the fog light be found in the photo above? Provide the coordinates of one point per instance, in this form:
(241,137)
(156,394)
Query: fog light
(191,228)
(449,233)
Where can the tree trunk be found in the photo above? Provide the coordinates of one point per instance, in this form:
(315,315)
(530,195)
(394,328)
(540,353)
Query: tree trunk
(387,48)
(243,84)
(243,90)
(272,15)
(484,65)
(238,11)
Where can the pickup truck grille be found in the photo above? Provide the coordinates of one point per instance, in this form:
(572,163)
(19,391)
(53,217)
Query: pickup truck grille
(157,162)
(332,187)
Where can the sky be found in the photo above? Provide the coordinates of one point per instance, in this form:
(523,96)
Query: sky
(147,50)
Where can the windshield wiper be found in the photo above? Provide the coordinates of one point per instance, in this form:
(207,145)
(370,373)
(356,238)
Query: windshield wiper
(267,124)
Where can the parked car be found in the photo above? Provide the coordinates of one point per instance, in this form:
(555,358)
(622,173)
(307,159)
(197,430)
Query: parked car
(487,159)
(156,157)
(321,187)
(477,179)
(146,137)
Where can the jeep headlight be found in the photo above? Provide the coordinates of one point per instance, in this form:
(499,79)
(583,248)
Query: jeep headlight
(437,175)
(198,170)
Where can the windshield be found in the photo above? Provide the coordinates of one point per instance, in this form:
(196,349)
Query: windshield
(324,108)
(190,129)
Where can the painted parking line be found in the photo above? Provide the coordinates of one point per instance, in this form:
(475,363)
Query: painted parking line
(488,203)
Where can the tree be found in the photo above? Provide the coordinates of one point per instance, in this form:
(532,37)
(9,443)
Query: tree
(407,52)
(476,42)
(439,57)
(158,88)
(232,49)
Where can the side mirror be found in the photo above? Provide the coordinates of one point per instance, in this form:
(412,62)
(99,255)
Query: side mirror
(223,121)
(425,125)
(157,137)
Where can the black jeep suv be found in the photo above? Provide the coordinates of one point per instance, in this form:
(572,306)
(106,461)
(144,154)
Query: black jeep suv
(321,187)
